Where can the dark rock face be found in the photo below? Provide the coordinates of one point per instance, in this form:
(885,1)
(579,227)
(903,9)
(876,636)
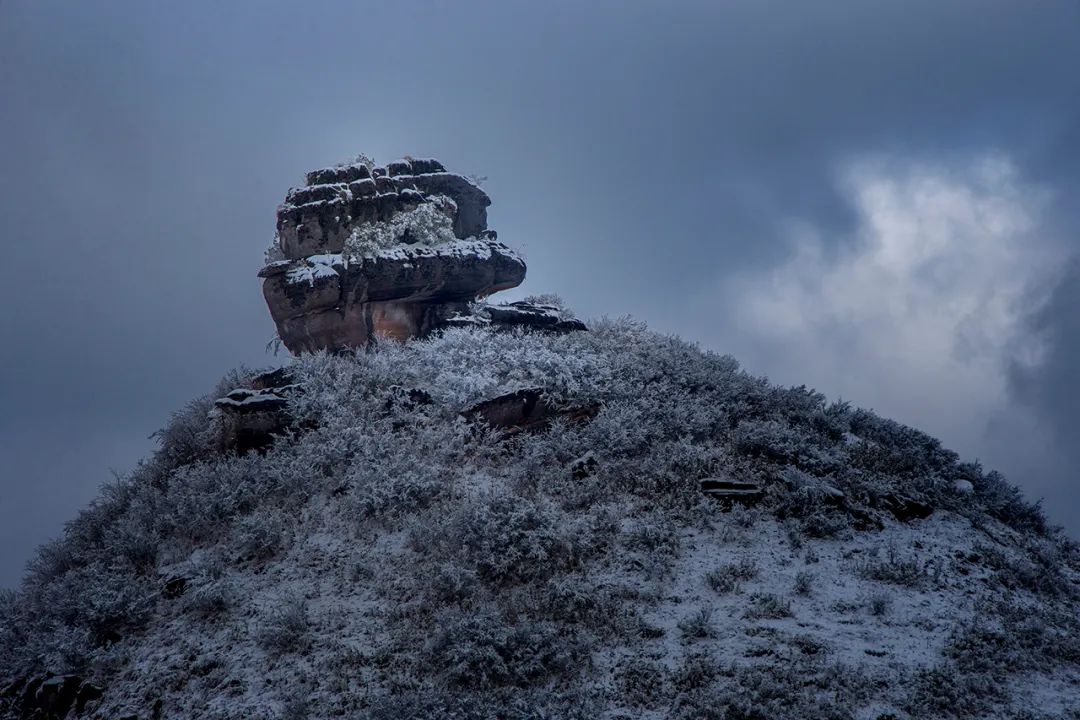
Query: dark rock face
(525,410)
(906,509)
(250,418)
(731,491)
(48,697)
(319,217)
(521,314)
(324,296)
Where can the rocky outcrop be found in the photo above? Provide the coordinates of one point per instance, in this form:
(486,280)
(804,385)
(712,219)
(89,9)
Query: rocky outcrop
(331,301)
(332,291)
(249,418)
(525,410)
(522,314)
(727,490)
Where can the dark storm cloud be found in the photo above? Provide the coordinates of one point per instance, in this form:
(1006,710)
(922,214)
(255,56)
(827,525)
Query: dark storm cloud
(639,152)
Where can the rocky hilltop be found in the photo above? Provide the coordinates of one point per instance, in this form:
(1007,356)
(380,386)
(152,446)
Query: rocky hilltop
(513,515)
(395,251)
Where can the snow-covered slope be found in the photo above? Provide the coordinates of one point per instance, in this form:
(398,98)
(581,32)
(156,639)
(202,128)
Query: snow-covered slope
(391,560)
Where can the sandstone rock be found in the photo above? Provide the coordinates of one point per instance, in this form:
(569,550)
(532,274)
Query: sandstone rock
(424,166)
(250,418)
(729,491)
(525,410)
(326,302)
(584,466)
(412,274)
(339,174)
(318,218)
(401,167)
(521,314)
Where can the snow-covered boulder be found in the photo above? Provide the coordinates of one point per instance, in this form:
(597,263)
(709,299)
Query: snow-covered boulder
(367,252)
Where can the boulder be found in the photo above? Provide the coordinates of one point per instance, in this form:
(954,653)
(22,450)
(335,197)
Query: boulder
(730,491)
(904,508)
(327,302)
(250,418)
(324,295)
(525,410)
(521,314)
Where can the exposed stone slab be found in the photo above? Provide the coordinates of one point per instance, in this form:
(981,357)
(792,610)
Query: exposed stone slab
(327,302)
(520,314)
(525,410)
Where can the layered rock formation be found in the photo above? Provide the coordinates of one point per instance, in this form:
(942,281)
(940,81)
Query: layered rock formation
(381,252)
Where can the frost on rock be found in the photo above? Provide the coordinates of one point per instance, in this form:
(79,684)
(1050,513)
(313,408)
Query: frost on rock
(312,268)
(368,252)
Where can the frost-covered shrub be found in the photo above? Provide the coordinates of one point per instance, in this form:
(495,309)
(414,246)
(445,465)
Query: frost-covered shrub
(879,604)
(284,627)
(726,578)
(576,599)
(767,606)
(450,584)
(781,690)
(406,492)
(642,681)
(893,568)
(482,650)
(943,691)
(429,223)
(506,538)
(780,442)
(697,626)
(1006,503)
(1014,638)
(260,535)
(804,583)
(447,554)
(505,704)
(210,598)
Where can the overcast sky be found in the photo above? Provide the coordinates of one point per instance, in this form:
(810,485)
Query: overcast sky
(877,199)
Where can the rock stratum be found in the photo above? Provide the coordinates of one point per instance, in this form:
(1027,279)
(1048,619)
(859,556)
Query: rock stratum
(369,252)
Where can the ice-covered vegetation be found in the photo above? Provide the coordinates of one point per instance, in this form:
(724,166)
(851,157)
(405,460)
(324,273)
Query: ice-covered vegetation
(391,561)
(429,223)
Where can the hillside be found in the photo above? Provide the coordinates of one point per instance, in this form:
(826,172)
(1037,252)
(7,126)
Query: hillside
(390,560)
(444,508)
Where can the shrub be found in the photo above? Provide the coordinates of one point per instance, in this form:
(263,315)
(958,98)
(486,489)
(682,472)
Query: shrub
(285,628)
(893,569)
(766,606)
(804,582)
(260,535)
(879,604)
(698,626)
(511,539)
(642,681)
(725,578)
(482,650)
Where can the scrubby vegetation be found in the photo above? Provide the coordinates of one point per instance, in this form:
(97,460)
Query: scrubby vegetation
(391,561)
